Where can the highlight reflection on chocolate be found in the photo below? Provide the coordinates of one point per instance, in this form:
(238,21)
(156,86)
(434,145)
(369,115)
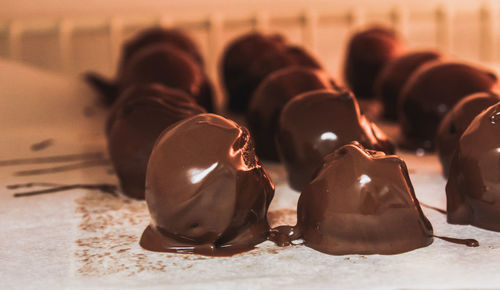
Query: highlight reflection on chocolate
(206,191)
(317,123)
(250,58)
(368,52)
(394,75)
(270,98)
(456,121)
(362,202)
(431,92)
(473,188)
(135,122)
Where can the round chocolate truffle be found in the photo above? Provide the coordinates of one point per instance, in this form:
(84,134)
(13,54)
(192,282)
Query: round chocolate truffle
(206,191)
(456,121)
(394,75)
(362,202)
(368,52)
(431,92)
(473,188)
(135,122)
(249,59)
(175,42)
(271,96)
(155,35)
(165,65)
(317,123)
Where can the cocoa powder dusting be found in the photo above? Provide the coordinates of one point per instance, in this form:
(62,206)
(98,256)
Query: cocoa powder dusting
(109,232)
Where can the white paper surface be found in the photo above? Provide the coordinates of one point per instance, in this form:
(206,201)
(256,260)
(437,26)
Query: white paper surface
(88,240)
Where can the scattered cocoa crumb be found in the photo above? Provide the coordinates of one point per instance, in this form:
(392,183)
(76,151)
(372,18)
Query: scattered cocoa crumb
(42,144)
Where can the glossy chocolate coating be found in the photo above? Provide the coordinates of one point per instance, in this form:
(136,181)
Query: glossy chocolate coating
(362,202)
(394,75)
(431,92)
(368,52)
(271,96)
(317,123)
(206,191)
(135,122)
(456,121)
(473,188)
(251,58)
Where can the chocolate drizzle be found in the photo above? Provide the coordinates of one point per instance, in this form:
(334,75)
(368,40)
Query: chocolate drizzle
(63,168)
(433,207)
(53,159)
(466,242)
(105,188)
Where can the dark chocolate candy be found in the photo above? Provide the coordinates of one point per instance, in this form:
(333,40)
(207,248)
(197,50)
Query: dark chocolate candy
(206,191)
(155,35)
(250,58)
(317,123)
(473,188)
(159,53)
(431,92)
(362,202)
(271,96)
(456,121)
(394,75)
(135,122)
(368,52)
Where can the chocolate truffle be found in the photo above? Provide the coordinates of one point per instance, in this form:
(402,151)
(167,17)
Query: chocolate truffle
(155,35)
(249,59)
(158,65)
(135,122)
(317,123)
(362,202)
(473,188)
(368,52)
(165,65)
(271,96)
(394,75)
(206,191)
(431,92)
(456,121)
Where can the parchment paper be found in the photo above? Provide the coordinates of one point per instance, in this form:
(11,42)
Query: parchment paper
(83,239)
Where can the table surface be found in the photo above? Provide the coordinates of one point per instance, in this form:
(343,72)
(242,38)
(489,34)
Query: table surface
(87,239)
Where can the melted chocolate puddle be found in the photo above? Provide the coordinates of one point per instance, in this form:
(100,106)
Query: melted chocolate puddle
(467,242)
(283,236)
(434,208)
(42,145)
(53,159)
(105,188)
